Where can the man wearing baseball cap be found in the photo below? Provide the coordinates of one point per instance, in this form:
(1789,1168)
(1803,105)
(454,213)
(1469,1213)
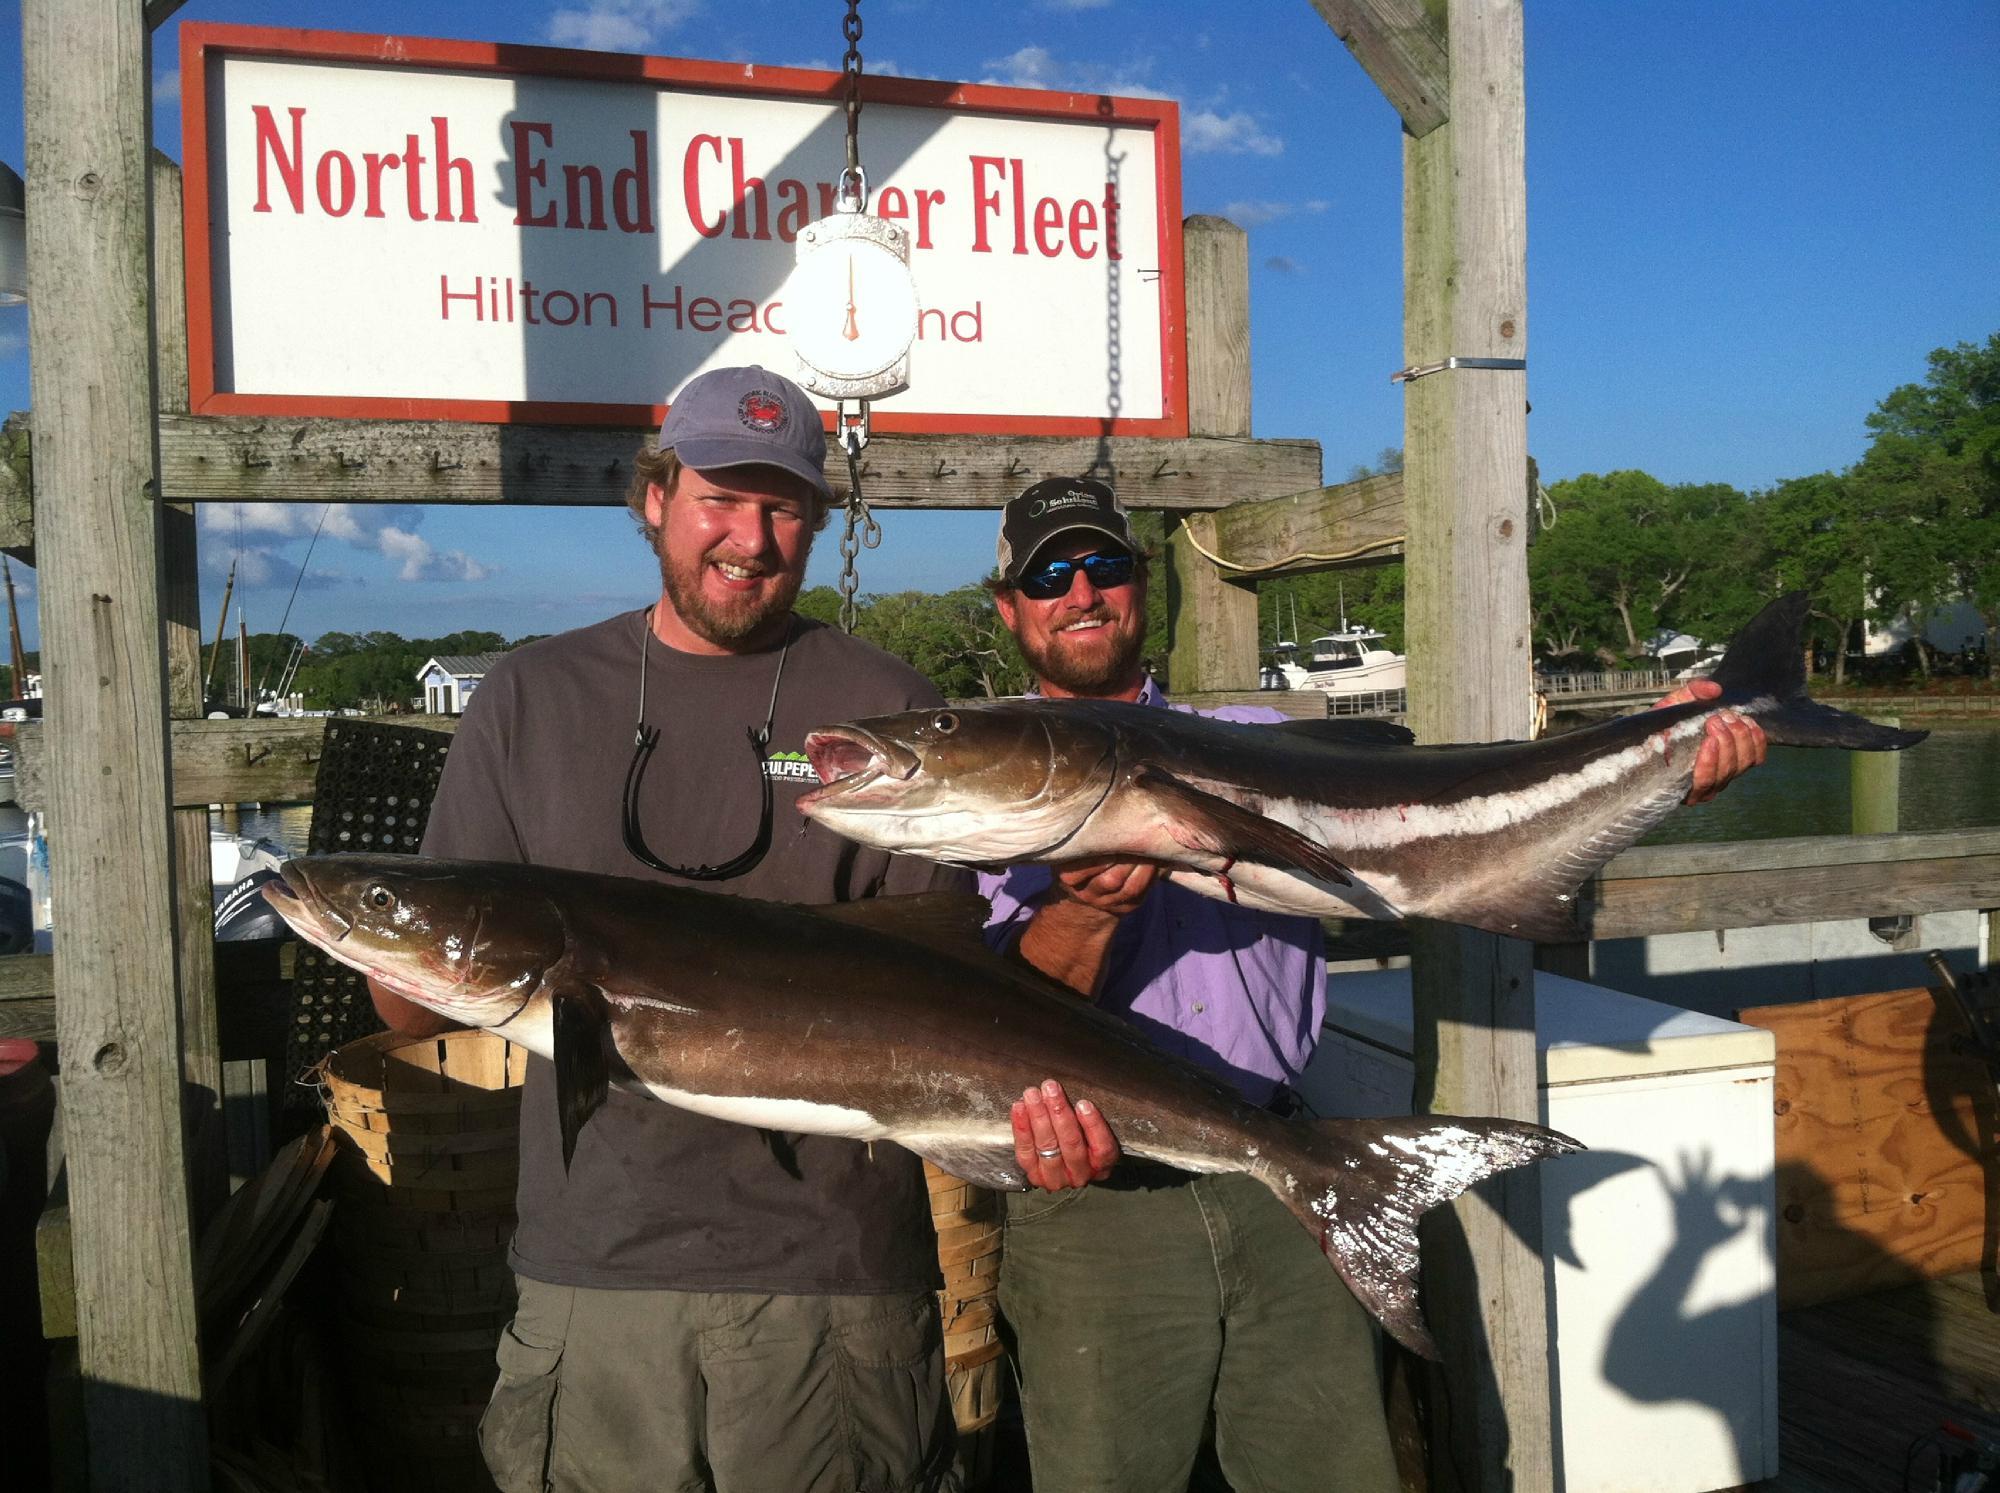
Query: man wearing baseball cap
(1155,1303)
(702,1304)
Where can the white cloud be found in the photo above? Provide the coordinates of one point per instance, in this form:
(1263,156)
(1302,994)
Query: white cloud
(388,530)
(12,343)
(1038,67)
(1255,214)
(421,563)
(1278,264)
(1205,132)
(618,25)
(1075,4)
(167,86)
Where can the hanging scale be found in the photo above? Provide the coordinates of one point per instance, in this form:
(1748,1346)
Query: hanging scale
(853,305)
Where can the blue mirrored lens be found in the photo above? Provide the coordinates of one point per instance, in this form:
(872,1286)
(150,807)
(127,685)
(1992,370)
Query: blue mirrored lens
(1106,572)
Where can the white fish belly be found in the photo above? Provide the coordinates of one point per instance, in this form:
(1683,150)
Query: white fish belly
(799,1116)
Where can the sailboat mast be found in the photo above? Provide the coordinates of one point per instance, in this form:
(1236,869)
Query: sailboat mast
(242,662)
(221,622)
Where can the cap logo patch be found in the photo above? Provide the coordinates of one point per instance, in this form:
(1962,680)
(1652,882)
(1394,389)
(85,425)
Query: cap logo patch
(761,410)
(1070,499)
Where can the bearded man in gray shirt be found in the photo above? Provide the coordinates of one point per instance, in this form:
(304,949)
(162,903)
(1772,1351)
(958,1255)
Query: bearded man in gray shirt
(702,1305)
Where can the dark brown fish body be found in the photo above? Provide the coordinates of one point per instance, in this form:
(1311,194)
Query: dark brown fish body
(881,1020)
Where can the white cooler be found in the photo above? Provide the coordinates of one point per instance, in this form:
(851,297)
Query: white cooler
(1662,1238)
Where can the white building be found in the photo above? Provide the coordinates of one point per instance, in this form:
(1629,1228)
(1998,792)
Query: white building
(449,680)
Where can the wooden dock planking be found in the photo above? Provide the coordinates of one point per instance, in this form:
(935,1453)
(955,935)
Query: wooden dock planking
(1860,1380)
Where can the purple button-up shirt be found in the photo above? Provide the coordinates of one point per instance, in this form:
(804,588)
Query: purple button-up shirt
(1240,992)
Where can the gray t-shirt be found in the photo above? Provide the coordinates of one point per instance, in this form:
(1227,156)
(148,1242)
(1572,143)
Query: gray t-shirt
(658,1197)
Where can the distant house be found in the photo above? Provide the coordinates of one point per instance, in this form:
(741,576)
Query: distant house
(449,680)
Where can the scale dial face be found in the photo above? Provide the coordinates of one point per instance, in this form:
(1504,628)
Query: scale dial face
(853,307)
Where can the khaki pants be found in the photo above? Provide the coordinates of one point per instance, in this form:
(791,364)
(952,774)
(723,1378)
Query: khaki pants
(1150,1307)
(693,1392)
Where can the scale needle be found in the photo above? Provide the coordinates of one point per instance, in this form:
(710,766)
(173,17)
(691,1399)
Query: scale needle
(851,331)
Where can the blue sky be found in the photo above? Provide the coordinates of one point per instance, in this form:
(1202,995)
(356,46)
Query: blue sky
(1747,222)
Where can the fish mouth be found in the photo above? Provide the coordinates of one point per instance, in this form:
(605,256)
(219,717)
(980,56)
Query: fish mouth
(311,917)
(848,760)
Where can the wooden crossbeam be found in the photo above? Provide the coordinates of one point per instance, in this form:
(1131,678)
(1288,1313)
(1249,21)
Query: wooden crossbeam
(1343,527)
(1402,47)
(207,458)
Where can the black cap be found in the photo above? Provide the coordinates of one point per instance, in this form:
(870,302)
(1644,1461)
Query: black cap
(1057,506)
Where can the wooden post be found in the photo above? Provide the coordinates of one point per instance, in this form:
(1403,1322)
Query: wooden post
(1211,621)
(1465,450)
(1877,787)
(194,901)
(87,85)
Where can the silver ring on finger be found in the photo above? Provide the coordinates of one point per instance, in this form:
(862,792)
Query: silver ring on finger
(1050,1154)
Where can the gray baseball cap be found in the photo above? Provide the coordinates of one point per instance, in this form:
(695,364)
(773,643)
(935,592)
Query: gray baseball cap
(747,417)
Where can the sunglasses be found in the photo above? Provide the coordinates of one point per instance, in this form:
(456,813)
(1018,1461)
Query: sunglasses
(1049,581)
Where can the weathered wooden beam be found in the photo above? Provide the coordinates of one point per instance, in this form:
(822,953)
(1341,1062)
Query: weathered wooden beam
(1211,619)
(1630,906)
(1342,527)
(216,458)
(1701,859)
(1466,616)
(263,760)
(86,65)
(1400,46)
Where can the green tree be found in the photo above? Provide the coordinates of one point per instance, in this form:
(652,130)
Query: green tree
(1933,471)
(1819,537)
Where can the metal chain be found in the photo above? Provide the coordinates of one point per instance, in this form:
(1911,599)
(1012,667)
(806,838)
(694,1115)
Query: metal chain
(859,517)
(851,180)
(859,531)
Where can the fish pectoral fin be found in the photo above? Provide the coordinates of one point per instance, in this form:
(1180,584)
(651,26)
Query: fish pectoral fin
(953,922)
(969,1161)
(1203,821)
(583,1070)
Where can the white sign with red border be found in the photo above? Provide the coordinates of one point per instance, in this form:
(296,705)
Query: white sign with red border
(403,228)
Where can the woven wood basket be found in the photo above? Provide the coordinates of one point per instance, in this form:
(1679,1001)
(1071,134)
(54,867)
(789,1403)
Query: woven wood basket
(429,1132)
(968,1233)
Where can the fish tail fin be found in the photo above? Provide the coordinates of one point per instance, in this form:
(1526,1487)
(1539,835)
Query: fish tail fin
(1766,661)
(1367,1182)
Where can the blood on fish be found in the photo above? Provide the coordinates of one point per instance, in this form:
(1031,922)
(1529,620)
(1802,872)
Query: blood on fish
(1222,876)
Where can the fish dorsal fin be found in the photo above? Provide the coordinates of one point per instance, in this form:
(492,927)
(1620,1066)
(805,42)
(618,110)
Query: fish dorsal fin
(1350,732)
(952,922)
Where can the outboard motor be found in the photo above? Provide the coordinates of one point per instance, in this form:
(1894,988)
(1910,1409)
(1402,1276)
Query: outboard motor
(244,914)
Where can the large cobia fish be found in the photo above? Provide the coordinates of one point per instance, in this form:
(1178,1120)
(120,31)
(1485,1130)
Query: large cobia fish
(1321,818)
(877,1020)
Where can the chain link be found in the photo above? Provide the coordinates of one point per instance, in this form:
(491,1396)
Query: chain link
(850,66)
(860,531)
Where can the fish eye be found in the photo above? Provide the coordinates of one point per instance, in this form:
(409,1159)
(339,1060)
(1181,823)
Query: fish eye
(379,896)
(944,723)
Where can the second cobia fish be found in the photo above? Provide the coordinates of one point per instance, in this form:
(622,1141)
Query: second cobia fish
(1323,818)
(883,1020)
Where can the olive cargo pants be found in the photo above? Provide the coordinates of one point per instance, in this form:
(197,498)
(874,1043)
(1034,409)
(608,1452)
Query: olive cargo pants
(1141,1305)
(688,1392)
